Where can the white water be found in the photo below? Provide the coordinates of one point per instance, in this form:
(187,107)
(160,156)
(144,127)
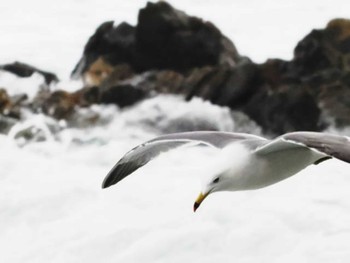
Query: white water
(52,208)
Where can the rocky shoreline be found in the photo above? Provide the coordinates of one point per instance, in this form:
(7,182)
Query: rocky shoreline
(170,52)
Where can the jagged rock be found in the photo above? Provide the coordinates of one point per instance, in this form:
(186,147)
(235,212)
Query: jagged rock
(164,38)
(247,87)
(324,48)
(320,68)
(25,70)
(288,109)
(111,45)
(58,104)
(224,85)
(167,38)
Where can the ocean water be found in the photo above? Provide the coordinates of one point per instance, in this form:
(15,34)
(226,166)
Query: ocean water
(52,207)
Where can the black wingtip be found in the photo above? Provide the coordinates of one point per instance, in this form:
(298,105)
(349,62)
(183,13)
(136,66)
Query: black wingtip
(111,177)
(107,182)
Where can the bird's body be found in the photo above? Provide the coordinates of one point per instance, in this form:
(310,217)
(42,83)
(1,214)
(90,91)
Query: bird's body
(252,162)
(272,167)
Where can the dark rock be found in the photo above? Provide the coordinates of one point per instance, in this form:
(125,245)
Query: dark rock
(88,96)
(122,95)
(25,70)
(310,54)
(208,86)
(163,81)
(167,38)
(324,48)
(110,45)
(225,86)
(119,74)
(287,110)
(321,68)
(164,39)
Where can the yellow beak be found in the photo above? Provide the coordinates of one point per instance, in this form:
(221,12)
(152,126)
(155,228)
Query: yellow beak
(199,200)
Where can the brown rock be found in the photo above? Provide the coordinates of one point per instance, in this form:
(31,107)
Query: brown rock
(101,71)
(10,106)
(5,103)
(98,71)
(60,104)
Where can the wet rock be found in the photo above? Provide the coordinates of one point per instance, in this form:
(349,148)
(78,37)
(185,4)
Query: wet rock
(164,39)
(122,95)
(334,101)
(25,70)
(167,38)
(112,45)
(88,96)
(288,109)
(224,85)
(320,68)
(58,104)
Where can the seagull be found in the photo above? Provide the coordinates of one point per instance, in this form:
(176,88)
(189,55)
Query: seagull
(256,162)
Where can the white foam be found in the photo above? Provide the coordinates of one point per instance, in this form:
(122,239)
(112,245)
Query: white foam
(15,85)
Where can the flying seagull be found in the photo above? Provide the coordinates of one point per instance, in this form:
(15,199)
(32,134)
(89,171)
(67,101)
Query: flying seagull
(261,162)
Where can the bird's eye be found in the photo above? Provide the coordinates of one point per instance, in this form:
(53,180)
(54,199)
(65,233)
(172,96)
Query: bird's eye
(216,180)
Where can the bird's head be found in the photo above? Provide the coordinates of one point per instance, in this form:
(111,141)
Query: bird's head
(226,173)
(215,183)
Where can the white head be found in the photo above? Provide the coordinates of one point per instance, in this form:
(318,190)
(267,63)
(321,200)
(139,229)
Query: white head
(227,170)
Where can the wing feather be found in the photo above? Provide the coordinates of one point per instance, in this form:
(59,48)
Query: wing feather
(328,144)
(332,145)
(145,152)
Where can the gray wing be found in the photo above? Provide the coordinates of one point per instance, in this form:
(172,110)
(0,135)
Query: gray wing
(328,144)
(145,152)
